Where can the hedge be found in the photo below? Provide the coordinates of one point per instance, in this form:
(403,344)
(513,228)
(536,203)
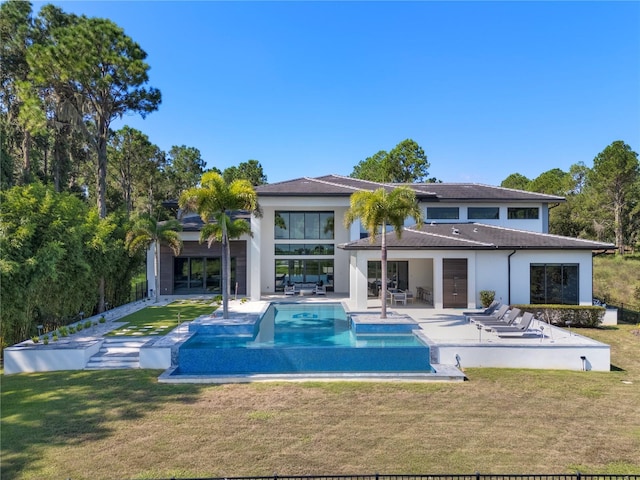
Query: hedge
(559,315)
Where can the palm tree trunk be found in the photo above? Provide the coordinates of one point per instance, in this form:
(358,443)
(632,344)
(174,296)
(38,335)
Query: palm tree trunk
(226,272)
(383,274)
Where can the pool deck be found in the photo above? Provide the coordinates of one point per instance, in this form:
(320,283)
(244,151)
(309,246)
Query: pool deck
(455,343)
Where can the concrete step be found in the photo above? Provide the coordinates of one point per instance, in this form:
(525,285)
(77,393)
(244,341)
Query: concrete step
(117,353)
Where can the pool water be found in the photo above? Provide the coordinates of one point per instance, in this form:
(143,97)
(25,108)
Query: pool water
(301,338)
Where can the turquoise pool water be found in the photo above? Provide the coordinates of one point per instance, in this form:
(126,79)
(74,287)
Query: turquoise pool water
(301,338)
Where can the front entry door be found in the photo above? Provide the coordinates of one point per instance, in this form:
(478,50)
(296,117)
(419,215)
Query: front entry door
(454,282)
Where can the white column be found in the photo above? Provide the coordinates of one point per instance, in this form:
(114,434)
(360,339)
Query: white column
(253,261)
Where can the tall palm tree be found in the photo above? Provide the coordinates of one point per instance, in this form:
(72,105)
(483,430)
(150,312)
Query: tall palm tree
(147,230)
(376,210)
(214,201)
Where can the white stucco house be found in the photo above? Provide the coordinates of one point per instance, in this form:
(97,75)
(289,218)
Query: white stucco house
(475,237)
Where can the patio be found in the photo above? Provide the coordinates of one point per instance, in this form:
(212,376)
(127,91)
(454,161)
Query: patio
(453,340)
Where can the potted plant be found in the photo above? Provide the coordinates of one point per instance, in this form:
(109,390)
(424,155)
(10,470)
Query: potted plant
(487,297)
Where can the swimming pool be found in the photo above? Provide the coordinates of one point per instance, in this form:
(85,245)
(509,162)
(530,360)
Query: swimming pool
(299,338)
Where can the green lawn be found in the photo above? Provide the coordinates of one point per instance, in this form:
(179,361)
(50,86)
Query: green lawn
(123,424)
(161,320)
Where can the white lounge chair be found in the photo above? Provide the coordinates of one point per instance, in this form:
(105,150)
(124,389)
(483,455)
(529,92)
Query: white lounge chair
(290,290)
(321,290)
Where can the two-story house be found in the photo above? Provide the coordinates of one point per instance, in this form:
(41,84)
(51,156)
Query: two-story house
(475,237)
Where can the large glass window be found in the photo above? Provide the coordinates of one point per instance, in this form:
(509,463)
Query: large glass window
(443,213)
(483,213)
(200,274)
(304,249)
(303,271)
(304,225)
(397,276)
(523,213)
(554,284)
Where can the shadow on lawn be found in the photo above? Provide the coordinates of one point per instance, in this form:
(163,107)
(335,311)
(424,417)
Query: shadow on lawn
(67,408)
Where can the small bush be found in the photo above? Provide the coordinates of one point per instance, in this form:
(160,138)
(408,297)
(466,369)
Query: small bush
(87,324)
(45,340)
(79,327)
(55,337)
(64,332)
(102,319)
(72,329)
(487,297)
(35,339)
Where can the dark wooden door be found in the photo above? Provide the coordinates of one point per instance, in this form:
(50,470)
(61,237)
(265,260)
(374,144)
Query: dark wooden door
(454,282)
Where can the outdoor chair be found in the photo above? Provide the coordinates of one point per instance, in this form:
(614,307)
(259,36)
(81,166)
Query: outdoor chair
(408,294)
(518,330)
(487,311)
(321,290)
(497,315)
(506,321)
(290,290)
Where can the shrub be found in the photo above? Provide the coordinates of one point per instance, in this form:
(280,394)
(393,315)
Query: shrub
(55,337)
(35,339)
(64,331)
(102,319)
(559,315)
(72,329)
(87,324)
(79,327)
(45,340)
(487,297)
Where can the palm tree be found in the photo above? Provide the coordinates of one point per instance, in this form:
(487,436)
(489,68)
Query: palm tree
(376,210)
(214,201)
(147,230)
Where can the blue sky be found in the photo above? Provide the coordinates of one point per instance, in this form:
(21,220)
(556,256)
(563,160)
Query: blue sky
(311,88)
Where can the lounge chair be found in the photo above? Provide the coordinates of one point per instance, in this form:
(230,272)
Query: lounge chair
(487,311)
(497,315)
(290,290)
(321,290)
(506,321)
(517,330)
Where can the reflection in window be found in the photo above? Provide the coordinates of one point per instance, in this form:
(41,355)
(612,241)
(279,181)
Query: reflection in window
(443,213)
(554,284)
(200,274)
(304,225)
(304,249)
(483,213)
(303,271)
(523,213)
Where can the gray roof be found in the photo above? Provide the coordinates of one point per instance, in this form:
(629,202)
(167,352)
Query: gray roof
(474,236)
(340,186)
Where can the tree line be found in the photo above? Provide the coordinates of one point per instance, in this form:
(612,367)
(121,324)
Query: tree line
(72,188)
(602,201)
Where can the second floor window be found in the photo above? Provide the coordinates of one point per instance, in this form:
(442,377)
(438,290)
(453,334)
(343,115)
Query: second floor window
(443,213)
(304,225)
(523,213)
(483,213)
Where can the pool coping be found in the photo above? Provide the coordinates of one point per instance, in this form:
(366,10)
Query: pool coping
(442,373)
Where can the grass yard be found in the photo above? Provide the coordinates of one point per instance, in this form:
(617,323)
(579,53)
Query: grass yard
(123,424)
(161,320)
